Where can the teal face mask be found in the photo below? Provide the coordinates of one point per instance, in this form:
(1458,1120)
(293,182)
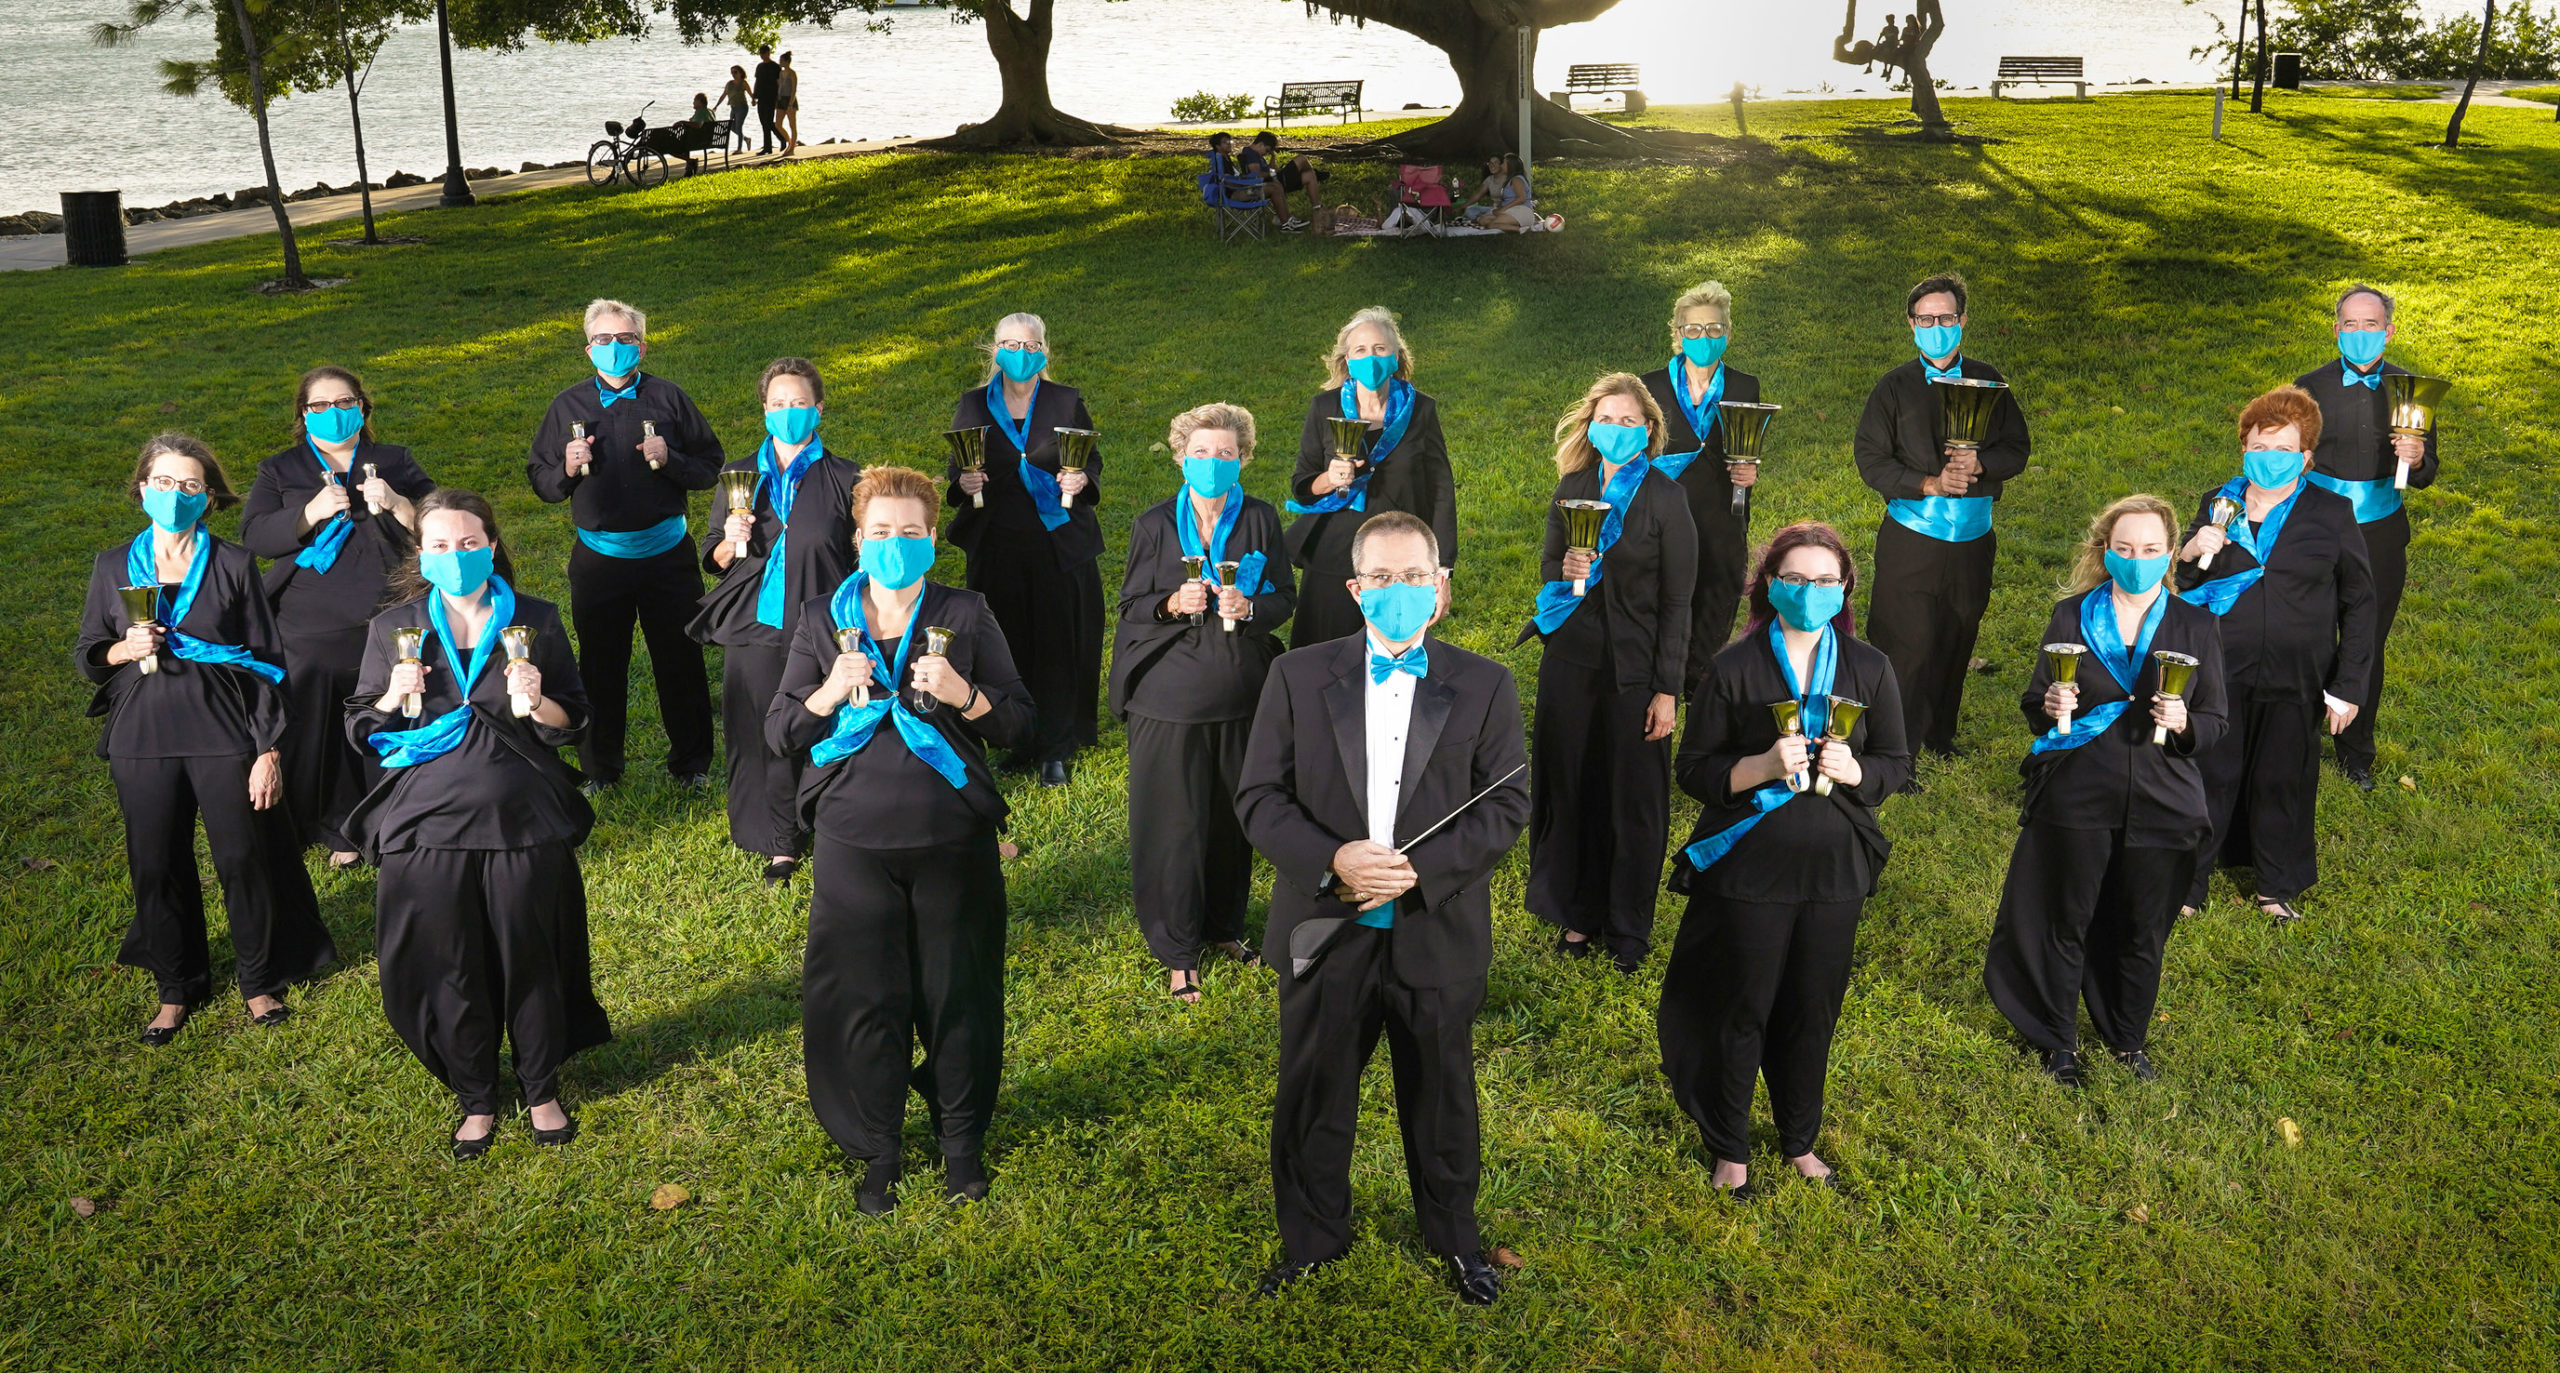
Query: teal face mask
(2135,576)
(1938,340)
(1617,442)
(614,359)
(1372,372)
(1210,478)
(334,425)
(1703,352)
(459,573)
(2362,347)
(1021,364)
(792,423)
(897,563)
(1398,612)
(1806,608)
(175,511)
(2270,468)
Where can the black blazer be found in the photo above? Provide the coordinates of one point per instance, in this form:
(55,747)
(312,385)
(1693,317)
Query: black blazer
(620,493)
(1901,440)
(2152,793)
(1009,510)
(2355,429)
(270,526)
(1304,794)
(1415,478)
(2308,625)
(198,709)
(1155,571)
(1648,579)
(820,554)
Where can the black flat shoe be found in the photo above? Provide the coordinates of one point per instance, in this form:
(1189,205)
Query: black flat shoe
(2139,1063)
(158,1036)
(878,1194)
(1573,948)
(1055,773)
(777,872)
(1743,1193)
(470,1150)
(1279,1279)
(964,1179)
(551,1138)
(693,781)
(2361,778)
(272,1018)
(2063,1066)
(1479,1282)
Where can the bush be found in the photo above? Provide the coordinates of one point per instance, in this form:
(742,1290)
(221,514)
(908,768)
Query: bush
(1200,107)
(2388,40)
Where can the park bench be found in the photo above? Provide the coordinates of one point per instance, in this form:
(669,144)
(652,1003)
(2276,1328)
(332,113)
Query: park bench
(1602,78)
(1314,97)
(2041,71)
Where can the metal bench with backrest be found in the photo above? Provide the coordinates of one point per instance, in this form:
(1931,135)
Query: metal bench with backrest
(2041,71)
(1602,78)
(1313,97)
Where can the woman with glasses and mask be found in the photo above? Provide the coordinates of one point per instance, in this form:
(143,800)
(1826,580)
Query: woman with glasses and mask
(1779,867)
(194,699)
(1033,535)
(2113,805)
(1609,677)
(1188,666)
(1688,389)
(480,914)
(1402,464)
(336,511)
(796,542)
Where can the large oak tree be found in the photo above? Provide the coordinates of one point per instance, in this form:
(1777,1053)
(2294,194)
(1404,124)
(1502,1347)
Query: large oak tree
(1481,39)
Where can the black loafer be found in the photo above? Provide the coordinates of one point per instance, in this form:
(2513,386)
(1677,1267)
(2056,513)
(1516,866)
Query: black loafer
(2360,777)
(554,1138)
(272,1018)
(1055,773)
(1479,1282)
(1279,1279)
(693,781)
(158,1036)
(1743,1192)
(964,1179)
(470,1150)
(1573,948)
(777,872)
(2063,1066)
(2139,1063)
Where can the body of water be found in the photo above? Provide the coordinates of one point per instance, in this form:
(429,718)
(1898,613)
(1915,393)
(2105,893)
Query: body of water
(84,117)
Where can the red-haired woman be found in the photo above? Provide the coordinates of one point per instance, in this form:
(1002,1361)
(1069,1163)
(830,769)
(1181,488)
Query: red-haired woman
(1779,866)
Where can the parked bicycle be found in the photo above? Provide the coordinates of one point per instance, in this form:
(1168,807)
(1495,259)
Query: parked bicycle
(626,153)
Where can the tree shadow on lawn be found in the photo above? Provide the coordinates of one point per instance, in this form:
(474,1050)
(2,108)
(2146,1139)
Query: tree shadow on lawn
(735,1015)
(2508,180)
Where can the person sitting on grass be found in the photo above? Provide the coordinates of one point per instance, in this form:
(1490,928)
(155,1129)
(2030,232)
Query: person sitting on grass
(1505,197)
(1297,174)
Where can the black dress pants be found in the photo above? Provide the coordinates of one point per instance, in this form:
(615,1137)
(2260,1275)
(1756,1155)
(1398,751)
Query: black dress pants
(1600,808)
(1924,612)
(764,786)
(1052,621)
(276,935)
(480,945)
(2262,791)
(1753,990)
(1189,862)
(1329,1025)
(606,597)
(324,774)
(2386,542)
(2083,917)
(905,945)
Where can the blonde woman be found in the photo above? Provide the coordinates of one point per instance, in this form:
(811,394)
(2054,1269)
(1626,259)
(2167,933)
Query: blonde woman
(1689,387)
(1610,678)
(1403,464)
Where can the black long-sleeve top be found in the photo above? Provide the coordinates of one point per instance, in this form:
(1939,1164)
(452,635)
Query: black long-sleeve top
(883,796)
(2152,793)
(186,709)
(1636,618)
(346,597)
(1414,478)
(1901,438)
(1009,512)
(503,786)
(2355,429)
(1815,847)
(1710,489)
(817,557)
(1179,672)
(2308,625)
(620,493)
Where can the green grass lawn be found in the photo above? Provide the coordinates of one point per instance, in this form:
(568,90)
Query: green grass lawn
(283,1199)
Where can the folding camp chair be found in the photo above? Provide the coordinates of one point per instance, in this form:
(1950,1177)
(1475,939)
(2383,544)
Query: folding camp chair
(1238,205)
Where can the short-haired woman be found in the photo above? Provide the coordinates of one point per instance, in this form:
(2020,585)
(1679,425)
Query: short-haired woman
(1186,672)
(480,913)
(1035,545)
(1778,868)
(795,543)
(1689,389)
(1402,464)
(337,512)
(894,688)
(2295,590)
(195,706)
(1609,678)
(2110,818)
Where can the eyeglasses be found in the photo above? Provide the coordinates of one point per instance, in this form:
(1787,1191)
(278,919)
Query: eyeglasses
(1937,321)
(1702,330)
(189,484)
(1793,579)
(1015,345)
(1380,581)
(601,339)
(314,407)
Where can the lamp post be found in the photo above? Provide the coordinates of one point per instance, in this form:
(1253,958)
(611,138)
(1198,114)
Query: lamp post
(457,187)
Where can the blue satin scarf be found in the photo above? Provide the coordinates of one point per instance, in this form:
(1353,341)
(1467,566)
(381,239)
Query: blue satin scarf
(1702,416)
(1556,601)
(782,485)
(636,543)
(1399,415)
(1038,480)
(402,748)
(2106,642)
(2220,594)
(2373,500)
(855,725)
(1187,526)
(1814,704)
(322,553)
(141,568)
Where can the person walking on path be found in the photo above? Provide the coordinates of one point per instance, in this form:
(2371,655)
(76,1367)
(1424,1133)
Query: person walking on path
(736,97)
(768,80)
(786,106)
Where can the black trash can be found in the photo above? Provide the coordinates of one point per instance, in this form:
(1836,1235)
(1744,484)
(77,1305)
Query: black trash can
(93,228)
(2288,74)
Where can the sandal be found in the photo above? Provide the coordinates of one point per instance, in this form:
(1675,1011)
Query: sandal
(1189,992)
(1244,953)
(2282,911)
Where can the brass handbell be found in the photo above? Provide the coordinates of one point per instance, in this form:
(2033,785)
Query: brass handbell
(649,430)
(1583,521)
(1348,435)
(1837,725)
(849,640)
(2413,411)
(371,507)
(738,497)
(517,640)
(408,643)
(2176,671)
(1226,578)
(1790,717)
(2063,661)
(2225,510)
(1965,405)
(1746,427)
(969,451)
(142,607)
(1075,449)
(1195,566)
(937,642)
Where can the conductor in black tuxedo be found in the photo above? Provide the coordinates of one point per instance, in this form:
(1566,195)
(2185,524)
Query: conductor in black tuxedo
(1360,745)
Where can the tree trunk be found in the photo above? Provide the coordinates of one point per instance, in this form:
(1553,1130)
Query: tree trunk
(2239,51)
(2258,81)
(266,146)
(1486,57)
(1026,115)
(1915,65)
(2453,131)
(364,179)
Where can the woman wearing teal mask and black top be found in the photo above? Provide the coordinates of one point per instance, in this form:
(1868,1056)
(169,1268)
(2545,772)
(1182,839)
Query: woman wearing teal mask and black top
(1186,670)
(335,535)
(1688,389)
(906,921)
(1035,545)
(796,543)
(1609,678)
(2292,584)
(2114,803)
(1777,871)
(1403,465)
(195,708)
(480,913)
